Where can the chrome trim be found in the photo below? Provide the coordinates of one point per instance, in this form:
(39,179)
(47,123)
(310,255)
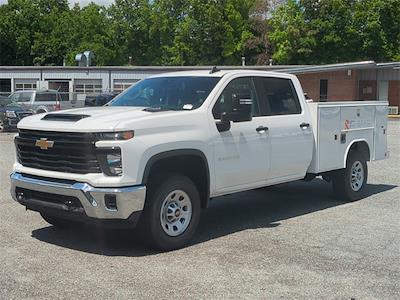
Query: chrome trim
(129,199)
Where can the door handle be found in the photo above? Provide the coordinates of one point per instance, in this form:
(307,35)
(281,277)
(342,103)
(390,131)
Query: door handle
(304,125)
(261,128)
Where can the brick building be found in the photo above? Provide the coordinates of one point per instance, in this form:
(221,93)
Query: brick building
(352,81)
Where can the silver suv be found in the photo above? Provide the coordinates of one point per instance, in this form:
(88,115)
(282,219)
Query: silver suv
(42,101)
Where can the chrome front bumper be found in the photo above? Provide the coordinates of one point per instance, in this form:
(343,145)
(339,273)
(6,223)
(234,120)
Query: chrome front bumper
(128,199)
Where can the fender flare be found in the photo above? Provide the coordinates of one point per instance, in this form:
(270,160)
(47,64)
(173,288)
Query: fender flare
(351,145)
(176,153)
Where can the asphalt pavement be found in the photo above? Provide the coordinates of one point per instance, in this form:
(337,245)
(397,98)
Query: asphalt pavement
(290,241)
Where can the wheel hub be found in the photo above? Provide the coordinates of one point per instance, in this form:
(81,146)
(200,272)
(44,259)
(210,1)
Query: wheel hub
(176,213)
(357,176)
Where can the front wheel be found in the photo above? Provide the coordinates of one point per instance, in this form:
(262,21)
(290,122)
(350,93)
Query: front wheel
(349,183)
(172,211)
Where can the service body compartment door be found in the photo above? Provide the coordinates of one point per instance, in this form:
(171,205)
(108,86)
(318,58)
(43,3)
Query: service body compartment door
(380,137)
(329,133)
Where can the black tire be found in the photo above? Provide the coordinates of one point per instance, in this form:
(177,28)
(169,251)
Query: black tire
(342,179)
(58,222)
(2,128)
(158,191)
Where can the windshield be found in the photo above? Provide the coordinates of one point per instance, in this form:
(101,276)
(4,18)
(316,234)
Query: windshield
(21,96)
(176,93)
(4,101)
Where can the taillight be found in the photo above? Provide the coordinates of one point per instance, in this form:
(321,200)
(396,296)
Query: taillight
(58,106)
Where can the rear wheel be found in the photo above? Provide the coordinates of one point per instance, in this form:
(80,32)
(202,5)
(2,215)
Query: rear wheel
(1,126)
(349,183)
(172,211)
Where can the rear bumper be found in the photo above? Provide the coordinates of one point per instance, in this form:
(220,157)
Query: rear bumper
(68,198)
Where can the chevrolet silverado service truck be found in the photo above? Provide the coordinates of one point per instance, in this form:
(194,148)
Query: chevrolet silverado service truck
(158,152)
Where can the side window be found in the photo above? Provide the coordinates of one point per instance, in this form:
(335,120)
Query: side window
(24,97)
(243,85)
(45,97)
(277,96)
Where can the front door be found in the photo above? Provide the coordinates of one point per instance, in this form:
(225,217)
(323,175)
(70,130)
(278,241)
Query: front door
(241,154)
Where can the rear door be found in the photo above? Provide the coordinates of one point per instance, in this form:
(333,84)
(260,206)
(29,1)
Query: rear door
(290,133)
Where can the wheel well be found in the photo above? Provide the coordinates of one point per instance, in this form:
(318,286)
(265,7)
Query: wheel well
(193,166)
(361,147)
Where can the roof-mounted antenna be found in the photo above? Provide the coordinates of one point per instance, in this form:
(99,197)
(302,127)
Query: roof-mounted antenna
(214,69)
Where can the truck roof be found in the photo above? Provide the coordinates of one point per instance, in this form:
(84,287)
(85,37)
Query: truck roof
(218,73)
(37,91)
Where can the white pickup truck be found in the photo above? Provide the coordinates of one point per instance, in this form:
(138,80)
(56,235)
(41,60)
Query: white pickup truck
(161,150)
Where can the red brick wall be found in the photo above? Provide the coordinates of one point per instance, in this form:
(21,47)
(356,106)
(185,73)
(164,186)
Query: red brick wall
(341,86)
(368,90)
(394,93)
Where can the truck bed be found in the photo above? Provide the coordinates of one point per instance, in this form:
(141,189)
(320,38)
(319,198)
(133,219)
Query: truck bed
(337,125)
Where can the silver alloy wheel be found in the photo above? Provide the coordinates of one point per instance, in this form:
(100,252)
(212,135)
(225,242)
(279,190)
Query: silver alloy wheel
(357,176)
(176,213)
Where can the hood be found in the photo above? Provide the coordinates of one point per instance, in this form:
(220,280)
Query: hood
(7,104)
(90,119)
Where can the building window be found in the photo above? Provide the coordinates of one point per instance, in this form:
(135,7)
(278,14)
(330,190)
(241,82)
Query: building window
(122,84)
(5,87)
(88,86)
(367,90)
(25,86)
(323,90)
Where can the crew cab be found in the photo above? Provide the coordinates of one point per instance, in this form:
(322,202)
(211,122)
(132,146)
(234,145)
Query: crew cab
(158,152)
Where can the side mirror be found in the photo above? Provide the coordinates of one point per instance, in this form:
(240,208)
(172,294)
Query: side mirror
(241,108)
(241,111)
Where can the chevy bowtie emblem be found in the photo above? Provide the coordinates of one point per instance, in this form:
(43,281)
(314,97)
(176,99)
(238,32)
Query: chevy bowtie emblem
(44,144)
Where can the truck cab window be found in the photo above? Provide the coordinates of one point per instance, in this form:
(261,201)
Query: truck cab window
(46,97)
(242,85)
(277,96)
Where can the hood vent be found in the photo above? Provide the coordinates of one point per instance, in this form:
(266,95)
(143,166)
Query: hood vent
(64,117)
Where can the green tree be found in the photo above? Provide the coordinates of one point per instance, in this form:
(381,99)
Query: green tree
(330,31)
(18,22)
(292,36)
(90,28)
(50,43)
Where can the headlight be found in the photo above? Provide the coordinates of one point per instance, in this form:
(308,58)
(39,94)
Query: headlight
(10,114)
(115,136)
(110,161)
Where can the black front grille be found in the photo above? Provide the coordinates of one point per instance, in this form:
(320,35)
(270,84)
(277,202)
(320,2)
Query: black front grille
(71,152)
(23,114)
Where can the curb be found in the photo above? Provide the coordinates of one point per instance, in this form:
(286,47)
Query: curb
(394,116)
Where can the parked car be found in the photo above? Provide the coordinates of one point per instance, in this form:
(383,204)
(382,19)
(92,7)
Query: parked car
(43,101)
(100,99)
(10,114)
(163,148)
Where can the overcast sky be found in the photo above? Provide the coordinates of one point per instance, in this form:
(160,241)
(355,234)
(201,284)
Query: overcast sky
(81,2)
